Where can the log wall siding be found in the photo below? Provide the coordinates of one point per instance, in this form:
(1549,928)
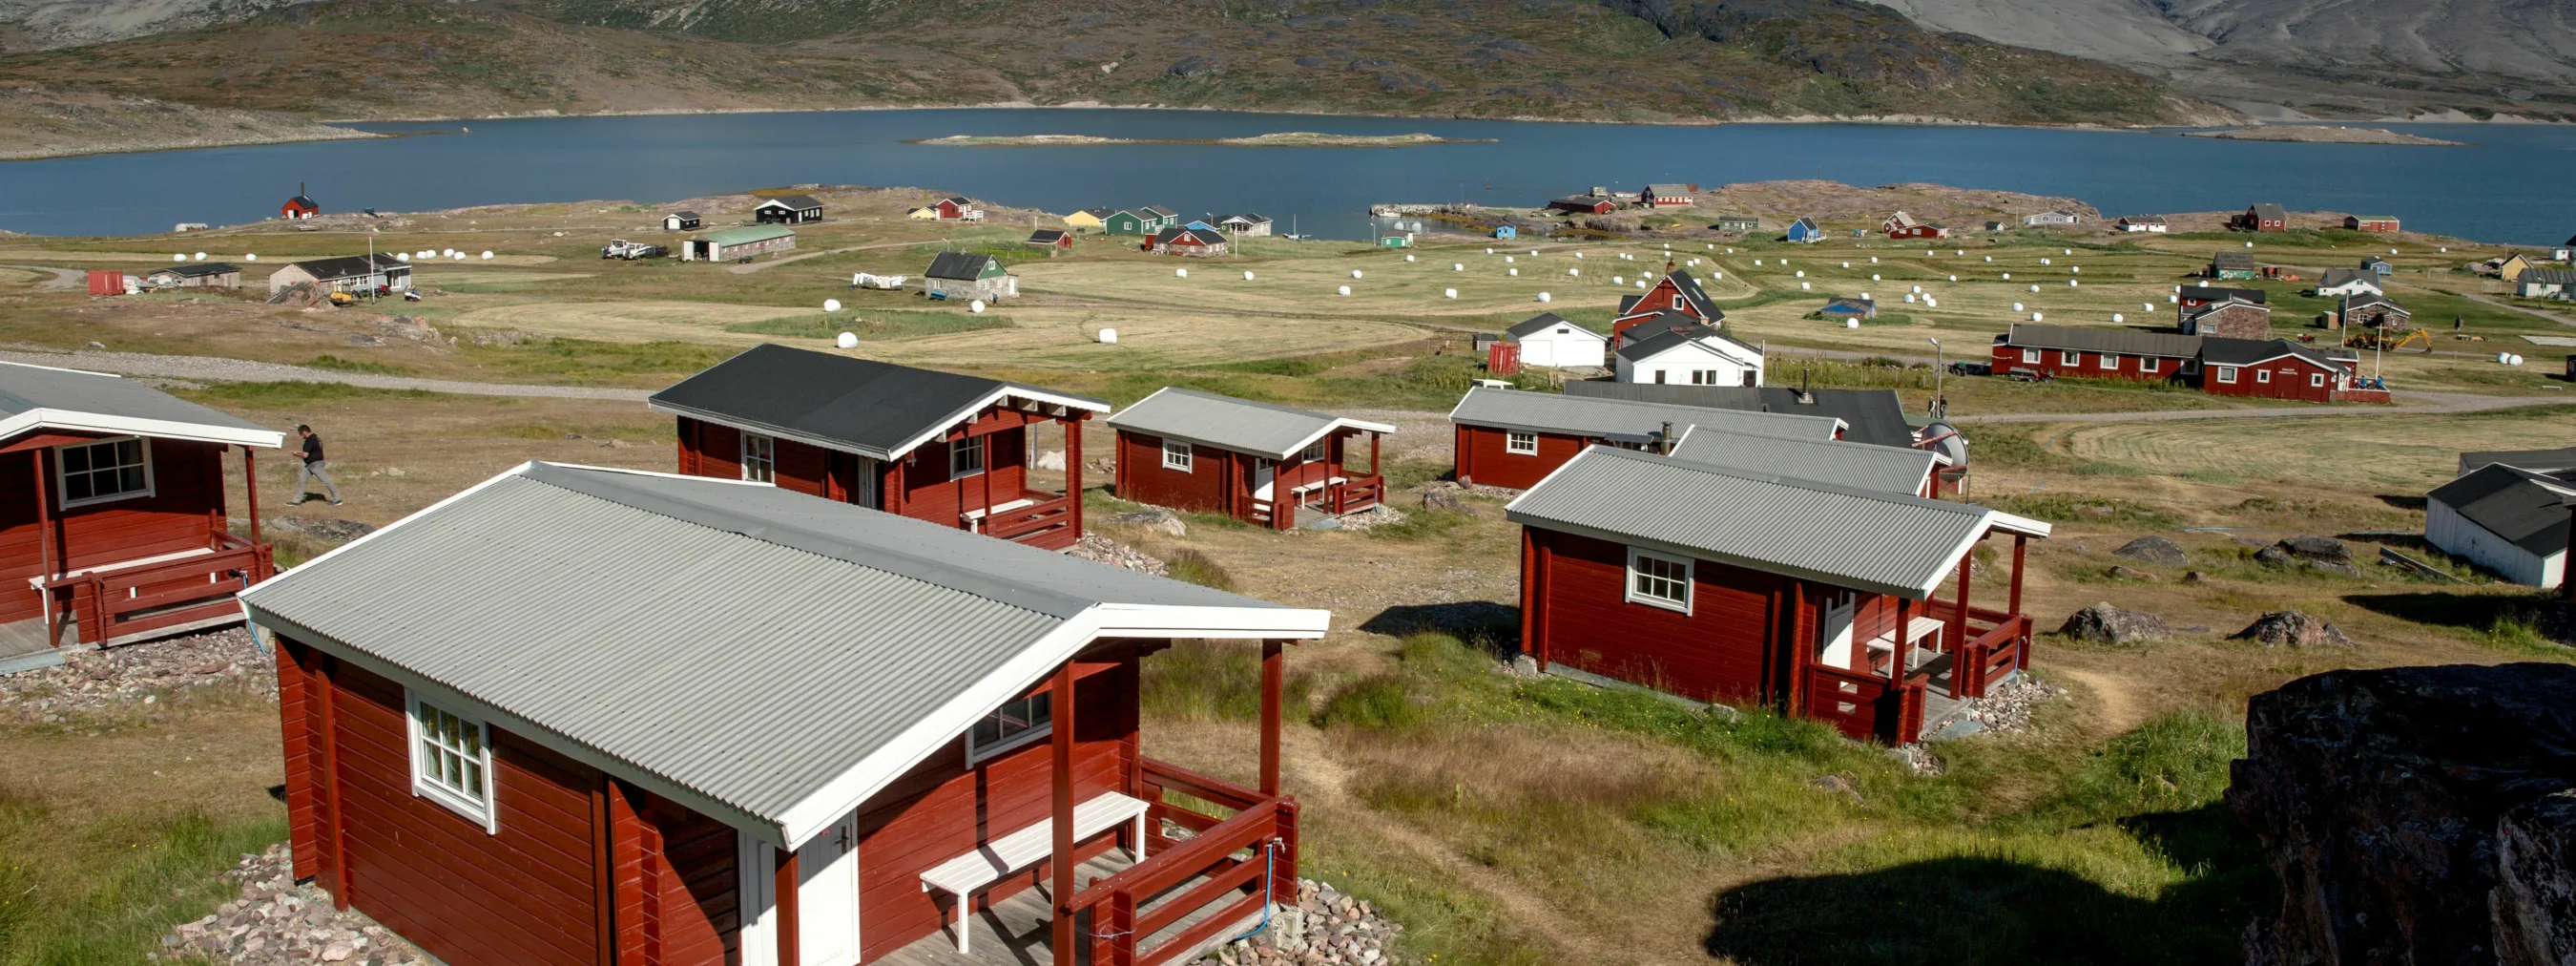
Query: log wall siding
(942,809)
(2087,365)
(921,490)
(1143,478)
(1717,652)
(183,512)
(2289,381)
(677,896)
(1480,456)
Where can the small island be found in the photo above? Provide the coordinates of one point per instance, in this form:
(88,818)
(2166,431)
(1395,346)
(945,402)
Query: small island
(2321,134)
(1283,139)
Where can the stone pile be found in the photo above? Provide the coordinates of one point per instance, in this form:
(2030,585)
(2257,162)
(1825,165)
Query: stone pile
(1467,488)
(1376,516)
(1100,549)
(274,922)
(138,674)
(2317,553)
(1323,928)
(1152,518)
(2006,707)
(2155,550)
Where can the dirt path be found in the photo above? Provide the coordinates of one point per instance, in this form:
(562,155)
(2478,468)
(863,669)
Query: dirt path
(201,368)
(64,279)
(2524,309)
(758,266)
(2113,702)
(2429,404)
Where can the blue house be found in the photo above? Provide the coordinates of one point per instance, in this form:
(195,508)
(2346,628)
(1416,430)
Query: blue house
(1805,232)
(1200,225)
(2378,265)
(1506,231)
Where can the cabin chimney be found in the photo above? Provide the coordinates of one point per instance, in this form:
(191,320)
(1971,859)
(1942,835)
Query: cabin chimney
(1806,397)
(1664,443)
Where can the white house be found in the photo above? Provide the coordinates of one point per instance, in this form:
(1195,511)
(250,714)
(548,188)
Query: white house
(2143,223)
(2346,281)
(2051,218)
(1549,340)
(2541,283)
(1698,357)
(2506,519)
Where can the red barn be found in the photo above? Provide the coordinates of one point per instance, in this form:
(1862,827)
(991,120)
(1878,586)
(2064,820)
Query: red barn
(2274,369)
(2261,217)
(1668,195)
(935,446)
(2370,222)
(957,208)
(300,206)
(589,716)
(1254,462)
(1515,438)
(2094,353)
(1584,205)
(1756,588)
(113,517)
(1677,291)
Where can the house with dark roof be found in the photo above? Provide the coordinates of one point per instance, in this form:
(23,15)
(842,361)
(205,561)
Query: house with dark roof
(738,244)
(1263,464)
(1250,224)
(2377,266)
(1749,587)
(2143,223)
(961,276)
(1738,223)
(299,207)
(2229,318)
(2270,368)
(2276,369)
(681,221)
(2232,264)
(1668,195)
(1884,469)
(2515,521)
(1514,437)
(2340,282)
(2096,353)
(1053,241)
(1147,220)
(1088,219)
(2542,283)
(1189,242)
(1584,205)
(957,208)
(381,272)
(787,210)
(1677,291)
(1547,339)
(2370,222)
(1804,231)
(1902,225)
(1874,416)
(119,529)
(1699,355)
(585,715)
(2542,460)
(949,449)
(2261,217)
(2368,311)
(2195,296)
(194,275)
(2051,218)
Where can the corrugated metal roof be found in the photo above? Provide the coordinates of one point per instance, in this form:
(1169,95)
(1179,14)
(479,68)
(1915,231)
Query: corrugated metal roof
(1839,535)
(1549,412)
(1225,422)
(747,234)
(1868,415)
(1882,468)
(41,396)
(2543,460)
(745,644)
(2527,509)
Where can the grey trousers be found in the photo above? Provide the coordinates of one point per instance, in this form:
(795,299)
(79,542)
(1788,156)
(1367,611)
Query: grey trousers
(304,477)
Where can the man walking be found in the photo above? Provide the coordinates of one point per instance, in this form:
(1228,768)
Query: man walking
(314,469)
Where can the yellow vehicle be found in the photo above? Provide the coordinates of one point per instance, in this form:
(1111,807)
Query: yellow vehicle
(2388,340)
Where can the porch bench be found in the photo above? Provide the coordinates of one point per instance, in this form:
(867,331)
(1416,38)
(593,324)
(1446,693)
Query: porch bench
(975,518)
(960,877)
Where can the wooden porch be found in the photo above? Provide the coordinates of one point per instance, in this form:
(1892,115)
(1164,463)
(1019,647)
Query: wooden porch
(84,602)
(1332,497)
(1047,521)
(1954,653)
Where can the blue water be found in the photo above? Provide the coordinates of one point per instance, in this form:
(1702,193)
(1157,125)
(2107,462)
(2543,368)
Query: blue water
(2493,191)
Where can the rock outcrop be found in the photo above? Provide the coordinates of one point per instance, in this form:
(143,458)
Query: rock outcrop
(2322,553)
(2155,550)
(2103,622)
(2290,628)
(2415,815)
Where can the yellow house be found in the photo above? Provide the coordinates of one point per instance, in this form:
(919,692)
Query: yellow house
(925,213)
(1088,219)
(2512,267)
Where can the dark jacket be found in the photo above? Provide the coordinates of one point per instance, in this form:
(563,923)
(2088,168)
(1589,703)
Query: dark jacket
(313,449)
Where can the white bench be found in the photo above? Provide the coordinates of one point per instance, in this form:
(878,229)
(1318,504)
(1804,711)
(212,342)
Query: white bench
(961,876)
(975,518)
(1915,630)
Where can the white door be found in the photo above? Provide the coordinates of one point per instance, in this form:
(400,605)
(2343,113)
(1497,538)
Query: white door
(1837,633)
(827,897)
(1262,471)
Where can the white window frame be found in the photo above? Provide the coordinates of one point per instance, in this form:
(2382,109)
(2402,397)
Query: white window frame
(2316,380)
(453,799)
(2032,356)
(2109,361)
(1638,596)
(2263,376)
(62,483)
(759,458)
(2070,358)
(1016,740)
(1705,377)
(2226,374)
(1178,455)
(957,452)
(1513,443)
(1317,451)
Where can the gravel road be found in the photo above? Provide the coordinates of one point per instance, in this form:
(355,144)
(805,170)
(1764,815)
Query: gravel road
(211,368)
(63,280)
(2416,404)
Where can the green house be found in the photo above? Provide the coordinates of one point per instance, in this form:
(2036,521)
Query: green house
(1139,221)
(1395,241)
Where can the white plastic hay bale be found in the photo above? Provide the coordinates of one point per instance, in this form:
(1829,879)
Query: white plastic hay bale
(1108,337)
(402,256)
(1851,323)
(559,234)
(831,305)
(1873,277)
(1927,300)
(201,256)
(2035,317)
(1909,299)
(1802,273)
(1489,251)
(487,255)
(1247,276)
(1716,275)
(1578,254)
(1457,266)
(2034,288)
(181,257)
(1758,262)
(2392,251)
(1954,278)
(1543,297)
(1641,283)
(1533,251)
(1668,246)
(1805,287)
(2173,298)
(2517,360)
(1618,280)
(1990,258)
(1513,272)
(1918,290)
(975,306)
(1180,273)
(847,340)
(2045,262)
(2251,244)
(250,258)
(2071,283)
(2117,317)
(2075,269)
(2148,307)
(460,256)
(1449,293)
(1846,264)
(2007,276)
(2016,306)
(1927,253)
(1507,259)
(1345,290)
(1574,273)
(1408,258)
(1355,273)
(2069,251)
(1873,259)
(1958,251)
(1864,296)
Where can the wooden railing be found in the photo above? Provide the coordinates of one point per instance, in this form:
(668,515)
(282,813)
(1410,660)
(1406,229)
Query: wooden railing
(1846,699)
(1275,514)
(1998,652)
(1045,523)
(1237,864)
(1356,493)
(129,601)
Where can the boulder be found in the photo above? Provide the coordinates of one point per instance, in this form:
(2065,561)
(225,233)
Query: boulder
(2292,628)
(2317,550)
(2194,577)
(2103,622)
(2275,556)
(1151,518)
(1443,500)
(2415,815)
(2155,550)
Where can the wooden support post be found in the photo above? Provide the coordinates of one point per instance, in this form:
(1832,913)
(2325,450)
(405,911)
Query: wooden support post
(1529,594)
(984,456)
(1801,650)
(603,872)
(250,485)
(1896,651)
(1957,645)
(45,550)
(2567,564)
(784,884)
(1073,471)
(2020,544)
(1060,705)
(1374,438)
(1546,586)
(1274,673)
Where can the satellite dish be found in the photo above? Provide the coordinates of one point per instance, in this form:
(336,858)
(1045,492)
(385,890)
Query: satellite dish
(1945,440)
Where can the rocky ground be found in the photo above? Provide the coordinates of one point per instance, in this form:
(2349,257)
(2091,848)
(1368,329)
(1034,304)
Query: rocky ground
(140,674)
(55,121)
(274,922)
(1324,928)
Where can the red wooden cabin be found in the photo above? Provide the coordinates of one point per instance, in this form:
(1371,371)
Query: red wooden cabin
(1677,291)
(1920,231)
(1254,462)
(2261,217)
(579,715)
(936,446)
(2278,369)
(2096,353)
(113,523)
(957,208)
(1749,588)
(1515,438)
(300,206)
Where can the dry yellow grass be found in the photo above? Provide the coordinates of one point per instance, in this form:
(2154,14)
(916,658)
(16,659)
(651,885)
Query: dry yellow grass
(630,321)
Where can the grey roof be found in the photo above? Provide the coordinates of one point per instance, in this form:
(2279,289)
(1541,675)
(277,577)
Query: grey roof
(1549,412)
(1046,236)
(1249,218)
(878,409)
(1157,211)
(685,214)
(1810,223)
(1225,422)
(739,645)
(1542,322)
(1201,235)
(2367,300)
(350,266)
(798,202)
(958,266)
(1888,469)
(2115,341)
(2530,459)
(2548,276)
(2143,219)
(1845,536)
(1586,202)
(1100,212)
(40,396)
(2270,212)
(1869,415)
(1845,304)
(2220,293)
(197,269)
(1669,190)
(2245,352)
(2340,276)
(1669,339)
(2525,507)
(1691,293)
(1659,322)
(2239,260)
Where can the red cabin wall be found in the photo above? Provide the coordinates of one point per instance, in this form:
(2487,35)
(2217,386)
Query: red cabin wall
(2289,381)
(928,493)
(678,895)
(185,510)
(924,489)
(1479,455)
(2053,361)
(943,809)
(1143,478)
(1717,652)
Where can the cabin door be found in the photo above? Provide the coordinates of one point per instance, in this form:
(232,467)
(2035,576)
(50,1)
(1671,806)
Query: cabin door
(827,897)
(1263,472)
(1835,633)
(869,478)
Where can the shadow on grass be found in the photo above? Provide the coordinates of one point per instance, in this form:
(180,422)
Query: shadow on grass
(2470,612)
(1482,623)
(2402,502)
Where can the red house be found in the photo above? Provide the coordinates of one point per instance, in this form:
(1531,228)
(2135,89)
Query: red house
(2370,222)
(587,716)
(298,207)
(957,208)
(1879,469)
(2096,353)
(1254,462)
(1515,438)
(1755,588)
(1584,205)
(935,446)
(2279,369)
(2194,296)
(1677,291)
(1668,195)
(2261,217)
(113,522)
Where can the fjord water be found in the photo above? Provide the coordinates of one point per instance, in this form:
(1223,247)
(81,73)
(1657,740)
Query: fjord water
(2481,191)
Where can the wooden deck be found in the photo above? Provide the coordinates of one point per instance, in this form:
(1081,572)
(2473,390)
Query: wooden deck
(1015,933)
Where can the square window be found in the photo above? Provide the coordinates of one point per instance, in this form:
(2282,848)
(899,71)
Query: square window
(1316,452)
(1013,724)
(759,458)
(2109,361)
(1177,455)
(2030,356)
(106,470)
(1525,444)
(451,761)
(966,457)
(1659,581)
(2225,373)
(2262,375)
(2316,380)
(2070,357)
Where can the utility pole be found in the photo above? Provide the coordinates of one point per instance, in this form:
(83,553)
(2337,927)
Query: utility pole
(1938,369)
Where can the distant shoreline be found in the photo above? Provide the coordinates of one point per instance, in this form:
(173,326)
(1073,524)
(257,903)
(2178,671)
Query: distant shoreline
(2322,134)
(1283,139)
